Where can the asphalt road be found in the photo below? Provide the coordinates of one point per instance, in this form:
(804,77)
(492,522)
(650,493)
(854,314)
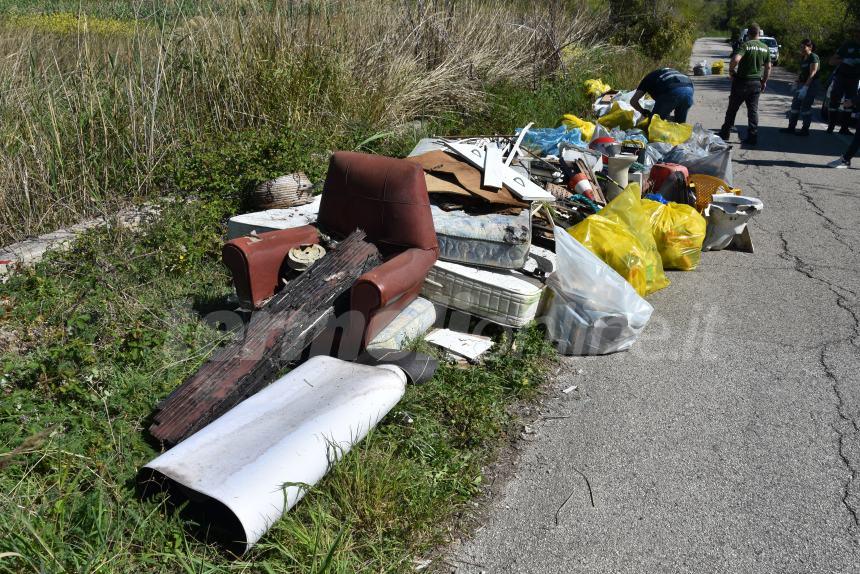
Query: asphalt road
(727,440)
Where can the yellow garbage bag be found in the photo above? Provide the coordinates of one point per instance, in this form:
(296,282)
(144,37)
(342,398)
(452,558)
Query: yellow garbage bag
(660,130)
(620,235)
(595,88)
(587,128)
(679,231)
(717,68)
(618,117)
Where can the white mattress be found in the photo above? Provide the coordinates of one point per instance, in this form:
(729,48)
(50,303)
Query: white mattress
(490,240)
(273,219)
(506,297)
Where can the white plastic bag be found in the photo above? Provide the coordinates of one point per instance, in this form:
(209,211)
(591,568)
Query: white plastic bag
(593,311)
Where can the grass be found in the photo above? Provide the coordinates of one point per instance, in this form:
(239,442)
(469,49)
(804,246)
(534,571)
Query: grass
(95,103)
(202,108)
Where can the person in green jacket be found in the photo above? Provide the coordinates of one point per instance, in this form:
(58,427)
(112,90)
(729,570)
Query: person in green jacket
(804,90)
(749,69)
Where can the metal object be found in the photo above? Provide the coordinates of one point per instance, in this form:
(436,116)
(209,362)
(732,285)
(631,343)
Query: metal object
(249,467)
(300,258)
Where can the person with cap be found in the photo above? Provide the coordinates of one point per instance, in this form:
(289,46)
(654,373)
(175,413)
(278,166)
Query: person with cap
(844,161)
(845,79)
(749,70)
(671,90)
(805,88)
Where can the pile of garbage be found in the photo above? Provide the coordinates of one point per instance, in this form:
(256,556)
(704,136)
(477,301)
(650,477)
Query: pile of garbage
(571,226)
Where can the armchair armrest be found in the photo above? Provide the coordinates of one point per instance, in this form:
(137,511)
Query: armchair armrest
(256,262)
(381,293)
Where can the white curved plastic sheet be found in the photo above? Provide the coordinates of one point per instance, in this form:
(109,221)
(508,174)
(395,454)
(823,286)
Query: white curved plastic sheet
(593,311)
(256,461)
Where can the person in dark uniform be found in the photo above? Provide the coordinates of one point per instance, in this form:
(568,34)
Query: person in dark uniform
(844,161)
(749,69)
(672,92)
(805,88)
(845,79)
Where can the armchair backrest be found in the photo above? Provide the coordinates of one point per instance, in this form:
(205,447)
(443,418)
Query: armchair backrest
(386,197)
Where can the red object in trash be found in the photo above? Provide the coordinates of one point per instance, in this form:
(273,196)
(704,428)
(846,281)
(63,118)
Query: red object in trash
(661,171)
(580,184)
(607,146)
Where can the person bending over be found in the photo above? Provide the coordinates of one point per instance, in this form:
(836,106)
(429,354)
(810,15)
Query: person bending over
(671,90)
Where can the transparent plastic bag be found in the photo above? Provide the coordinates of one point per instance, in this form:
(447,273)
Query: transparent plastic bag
(620,235)
(655,152)
(593,310)
(679,231)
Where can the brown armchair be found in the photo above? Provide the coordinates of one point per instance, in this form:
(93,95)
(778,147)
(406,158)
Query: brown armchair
(385,197)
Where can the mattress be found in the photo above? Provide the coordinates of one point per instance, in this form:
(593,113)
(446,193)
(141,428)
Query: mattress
(506,297)
(415,319)
(273,219)
(491,240)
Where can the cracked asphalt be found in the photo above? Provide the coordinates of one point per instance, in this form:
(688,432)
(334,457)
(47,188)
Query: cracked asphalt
(727,440)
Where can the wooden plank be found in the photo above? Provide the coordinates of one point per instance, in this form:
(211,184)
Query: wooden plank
(276,334)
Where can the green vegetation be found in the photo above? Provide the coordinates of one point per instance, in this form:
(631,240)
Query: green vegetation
(828,23)
(182,104)
(662,29)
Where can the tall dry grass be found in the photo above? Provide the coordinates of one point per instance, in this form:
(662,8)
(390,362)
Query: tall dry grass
(90,110)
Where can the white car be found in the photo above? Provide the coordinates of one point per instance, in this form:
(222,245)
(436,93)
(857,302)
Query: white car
(773,47)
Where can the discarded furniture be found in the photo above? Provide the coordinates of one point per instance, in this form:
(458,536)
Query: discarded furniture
(385,197)
(489,240)
(246,469)
(503,296)
(273,219)
(707,186)
(275,335)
